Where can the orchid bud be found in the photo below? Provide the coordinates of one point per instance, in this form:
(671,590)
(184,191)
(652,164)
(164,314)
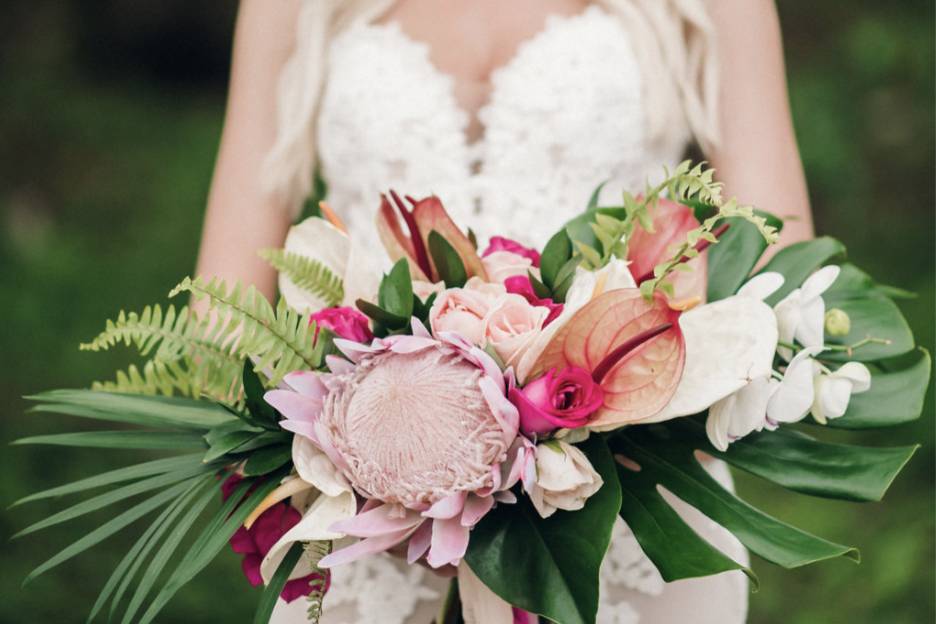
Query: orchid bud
(837,322)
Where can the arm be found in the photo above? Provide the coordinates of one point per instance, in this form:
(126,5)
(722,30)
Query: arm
(757,158)
(241,218)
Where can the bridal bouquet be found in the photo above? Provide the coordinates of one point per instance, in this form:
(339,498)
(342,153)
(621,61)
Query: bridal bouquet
(494,409)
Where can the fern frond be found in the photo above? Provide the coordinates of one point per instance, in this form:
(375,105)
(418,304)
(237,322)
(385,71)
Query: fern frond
(278,340)
(307,273)
(179,376)
(314,552)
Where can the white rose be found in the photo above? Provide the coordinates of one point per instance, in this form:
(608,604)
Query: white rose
(564,478)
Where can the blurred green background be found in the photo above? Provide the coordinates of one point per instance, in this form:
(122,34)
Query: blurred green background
(111,113)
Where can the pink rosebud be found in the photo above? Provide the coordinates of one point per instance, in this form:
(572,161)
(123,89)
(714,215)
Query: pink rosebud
(344,322)
(521,285)
(566,399)
(499,243)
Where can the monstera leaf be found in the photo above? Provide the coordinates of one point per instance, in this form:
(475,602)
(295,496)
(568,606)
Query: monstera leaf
(550,566)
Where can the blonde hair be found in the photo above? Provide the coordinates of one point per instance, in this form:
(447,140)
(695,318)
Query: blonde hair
(673,41)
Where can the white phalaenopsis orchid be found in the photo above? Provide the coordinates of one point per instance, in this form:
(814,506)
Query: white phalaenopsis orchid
(792,397)
(833,389)
(319,240)
(801,314)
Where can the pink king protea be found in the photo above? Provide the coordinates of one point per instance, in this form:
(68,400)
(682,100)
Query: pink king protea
(422,429)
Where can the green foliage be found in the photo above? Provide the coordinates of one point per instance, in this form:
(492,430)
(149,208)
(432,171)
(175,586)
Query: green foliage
(396,303)
(550,566)
(278,340)
(675,467)
(314,553)
(798,261)
(674,547)
(308,274)
(731,261)
(272,590)
(447,262)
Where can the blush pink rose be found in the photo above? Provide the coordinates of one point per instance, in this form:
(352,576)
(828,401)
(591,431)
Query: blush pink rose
(565,399)
(512,326)
(499,243)
(464,310)
(344,322)
(501,265)
(521,285)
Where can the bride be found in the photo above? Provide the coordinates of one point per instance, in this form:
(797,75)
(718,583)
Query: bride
(512,112)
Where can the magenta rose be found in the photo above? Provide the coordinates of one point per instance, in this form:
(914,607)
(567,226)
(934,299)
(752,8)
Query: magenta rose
(565,399)
(521,285)
(254,543)
(499,243)
(344,322)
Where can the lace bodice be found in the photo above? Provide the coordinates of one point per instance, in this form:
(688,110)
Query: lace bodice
(564,114)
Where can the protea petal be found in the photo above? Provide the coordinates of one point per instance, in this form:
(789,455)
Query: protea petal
(475,508)
(381,520)
(645,250)
(448,507)
(449,543)
(368,546)
(419,542)
(431,215)
(642,382)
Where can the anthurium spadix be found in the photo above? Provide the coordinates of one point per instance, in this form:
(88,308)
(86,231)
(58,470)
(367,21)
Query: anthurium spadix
(729,343)
(634,349)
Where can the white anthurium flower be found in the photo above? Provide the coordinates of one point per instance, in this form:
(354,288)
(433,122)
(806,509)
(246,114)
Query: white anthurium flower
(564,478)
(793,396)
(318,239)
(801,314)
(729,343)
(585,286)
(744,411)
(332,500)
(833,390)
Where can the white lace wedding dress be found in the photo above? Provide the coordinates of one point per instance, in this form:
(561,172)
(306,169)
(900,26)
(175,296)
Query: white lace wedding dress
(564,115)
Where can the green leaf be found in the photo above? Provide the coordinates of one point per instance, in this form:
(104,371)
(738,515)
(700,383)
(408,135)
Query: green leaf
(731,261)
(210,542)
(267,460)
(165,552)
(396,291)
(227,443)
(895,397)
(673,547)
(114,496)
(273,589)
(447,262)
(131,561)
(550,566)
(539,288)
(579,229)
(128,473)
(108,528)
(143,440)
(379,315)
(593,200)
(677,470)
(307,273)
(254,390)
(564,279)
(146,411)
(801,463)
(873,317)
(799,261)
(555,254)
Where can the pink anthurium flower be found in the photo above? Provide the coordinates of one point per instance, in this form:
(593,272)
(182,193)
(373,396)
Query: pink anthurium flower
(645,250)
(633,348)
